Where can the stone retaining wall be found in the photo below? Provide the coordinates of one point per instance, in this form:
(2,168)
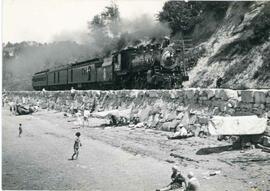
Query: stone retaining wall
(161,109)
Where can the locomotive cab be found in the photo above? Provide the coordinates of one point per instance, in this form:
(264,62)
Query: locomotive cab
(122,60)
(123,67)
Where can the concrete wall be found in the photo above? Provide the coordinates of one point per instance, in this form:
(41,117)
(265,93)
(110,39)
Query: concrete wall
(160,109)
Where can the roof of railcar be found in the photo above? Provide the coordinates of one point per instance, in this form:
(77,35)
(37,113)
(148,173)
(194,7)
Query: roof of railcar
(57,68)
(43,71)
(87,61)
(124,50)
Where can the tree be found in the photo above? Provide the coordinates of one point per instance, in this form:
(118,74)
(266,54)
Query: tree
(96,23)
(182,16)
(104,27)
(111,16)
(111,13)
(107,21)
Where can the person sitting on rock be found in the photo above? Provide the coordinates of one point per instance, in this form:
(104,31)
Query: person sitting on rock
(113,120)
(72,93)
(86,115)
(219,82)
(178,180)
(43,91)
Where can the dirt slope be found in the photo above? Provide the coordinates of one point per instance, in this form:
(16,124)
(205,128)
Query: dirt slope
(238,51)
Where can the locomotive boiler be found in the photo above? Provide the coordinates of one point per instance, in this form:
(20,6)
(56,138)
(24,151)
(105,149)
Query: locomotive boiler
(150,66)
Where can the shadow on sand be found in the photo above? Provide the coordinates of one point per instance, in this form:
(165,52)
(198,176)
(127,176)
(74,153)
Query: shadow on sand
(211,150)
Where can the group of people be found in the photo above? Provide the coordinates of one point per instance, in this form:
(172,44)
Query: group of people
(18,107)
(179,182)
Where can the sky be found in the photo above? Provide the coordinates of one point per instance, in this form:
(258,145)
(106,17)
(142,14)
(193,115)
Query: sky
(43,20)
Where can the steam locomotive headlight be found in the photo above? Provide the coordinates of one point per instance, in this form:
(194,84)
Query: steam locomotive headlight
(168,58)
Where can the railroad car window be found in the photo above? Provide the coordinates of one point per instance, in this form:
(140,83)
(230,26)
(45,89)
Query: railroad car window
(104,74)
(71,75)
(39,79)
(58,77)
(54,77)
(84,71)
(114,59)
(89,73)
(117,62)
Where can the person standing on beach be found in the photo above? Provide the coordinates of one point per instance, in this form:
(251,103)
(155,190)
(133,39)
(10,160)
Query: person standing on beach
(20,130)
(77,145)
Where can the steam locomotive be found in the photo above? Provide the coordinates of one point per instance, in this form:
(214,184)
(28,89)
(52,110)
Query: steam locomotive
(151,66)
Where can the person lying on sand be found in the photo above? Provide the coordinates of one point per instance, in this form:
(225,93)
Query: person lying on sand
(181,133)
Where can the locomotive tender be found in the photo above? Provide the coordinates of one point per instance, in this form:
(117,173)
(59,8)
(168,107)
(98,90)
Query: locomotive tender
(145,67)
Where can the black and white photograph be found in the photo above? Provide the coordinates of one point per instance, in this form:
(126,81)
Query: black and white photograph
(135,95)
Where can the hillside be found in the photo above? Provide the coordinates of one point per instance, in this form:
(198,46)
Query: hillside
(238,50)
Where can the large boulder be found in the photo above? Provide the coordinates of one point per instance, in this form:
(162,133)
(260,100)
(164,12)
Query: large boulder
(247,96)
(145,113)
(210,93)
(152,93)
(259,97)
(266,141)
(190,93)
(169,126)
(267,100)
(226,94)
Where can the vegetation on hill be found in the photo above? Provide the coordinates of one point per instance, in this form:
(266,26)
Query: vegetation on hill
(186,17)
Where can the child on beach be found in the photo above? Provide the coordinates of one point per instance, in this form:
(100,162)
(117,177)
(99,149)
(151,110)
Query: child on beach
(20,129)
(76,146)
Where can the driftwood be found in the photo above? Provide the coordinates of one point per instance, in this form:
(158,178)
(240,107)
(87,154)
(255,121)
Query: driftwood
(183,158)
(265,149)
(227,162)
(250,160)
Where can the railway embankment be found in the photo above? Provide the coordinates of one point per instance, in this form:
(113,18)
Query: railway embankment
(155,106)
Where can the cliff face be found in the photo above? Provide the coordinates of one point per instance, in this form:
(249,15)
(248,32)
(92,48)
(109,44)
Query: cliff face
(238,51)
